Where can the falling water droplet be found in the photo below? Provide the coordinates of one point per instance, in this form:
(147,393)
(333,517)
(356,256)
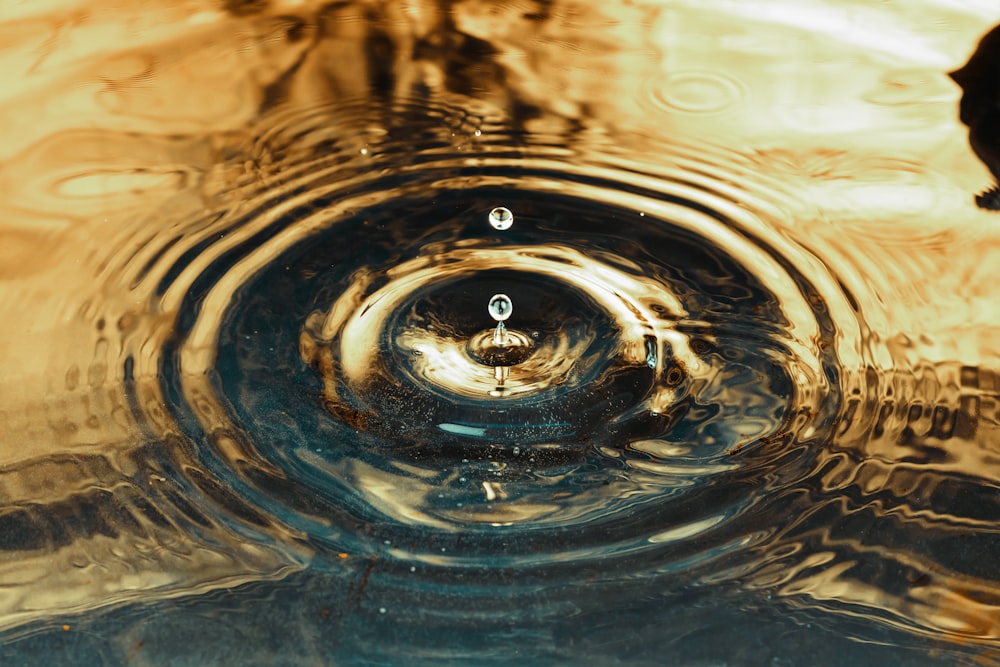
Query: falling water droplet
(501,218)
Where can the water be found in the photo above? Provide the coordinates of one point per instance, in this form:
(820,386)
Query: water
(500,307)
(256,410)
(500,218)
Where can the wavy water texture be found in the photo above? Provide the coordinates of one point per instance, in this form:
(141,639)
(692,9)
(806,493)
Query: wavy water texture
(748,405)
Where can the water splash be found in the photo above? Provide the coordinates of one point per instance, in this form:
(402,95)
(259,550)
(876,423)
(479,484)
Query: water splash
(500,308)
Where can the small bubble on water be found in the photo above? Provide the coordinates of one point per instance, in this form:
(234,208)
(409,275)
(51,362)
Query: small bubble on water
(381,610)
(500,307)
(501,218)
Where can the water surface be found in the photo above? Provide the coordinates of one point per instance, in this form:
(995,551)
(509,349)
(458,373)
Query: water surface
(254,411)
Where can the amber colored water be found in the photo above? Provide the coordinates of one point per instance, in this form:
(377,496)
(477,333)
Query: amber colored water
(254,408)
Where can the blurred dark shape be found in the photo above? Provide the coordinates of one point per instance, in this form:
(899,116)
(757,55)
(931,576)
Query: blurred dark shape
(244,7)
(980,109)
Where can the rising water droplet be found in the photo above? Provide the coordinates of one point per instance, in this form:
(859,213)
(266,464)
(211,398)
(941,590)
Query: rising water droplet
(500,307)
(501,218)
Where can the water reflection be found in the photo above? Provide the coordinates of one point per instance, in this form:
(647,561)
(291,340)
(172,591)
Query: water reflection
(244,270)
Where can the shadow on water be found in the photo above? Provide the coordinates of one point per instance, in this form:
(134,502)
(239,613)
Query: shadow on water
(743,410)
(980,109)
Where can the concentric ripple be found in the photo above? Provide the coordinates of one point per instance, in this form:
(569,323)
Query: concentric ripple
(333,362)
(496,333)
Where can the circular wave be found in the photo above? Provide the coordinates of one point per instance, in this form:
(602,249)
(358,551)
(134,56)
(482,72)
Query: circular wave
(335,365)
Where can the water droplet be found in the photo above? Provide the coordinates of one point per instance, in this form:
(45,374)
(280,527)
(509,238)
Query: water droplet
(500,307)
(501,218)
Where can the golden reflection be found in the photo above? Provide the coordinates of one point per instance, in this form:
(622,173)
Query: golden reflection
(132,131)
